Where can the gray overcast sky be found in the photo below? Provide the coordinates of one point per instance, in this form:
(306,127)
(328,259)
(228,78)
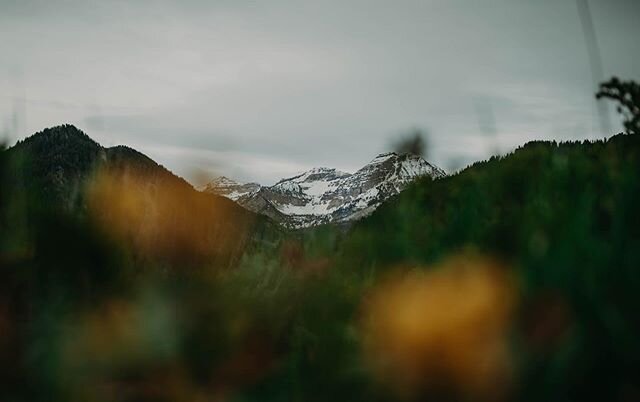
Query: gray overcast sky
(262,90)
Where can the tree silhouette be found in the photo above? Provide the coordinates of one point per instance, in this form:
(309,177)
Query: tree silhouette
(627,94)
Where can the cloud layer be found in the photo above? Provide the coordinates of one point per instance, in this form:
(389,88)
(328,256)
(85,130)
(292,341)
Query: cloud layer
(261,90)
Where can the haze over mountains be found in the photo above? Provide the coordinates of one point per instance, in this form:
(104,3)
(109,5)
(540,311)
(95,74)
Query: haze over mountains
(326,195)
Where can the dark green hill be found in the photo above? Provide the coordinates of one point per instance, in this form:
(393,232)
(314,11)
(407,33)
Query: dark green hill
(542,197)
(61,170)
(566,218)
(56,163)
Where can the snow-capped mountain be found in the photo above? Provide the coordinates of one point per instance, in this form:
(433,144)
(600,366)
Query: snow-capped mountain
(324,195)
(230,188)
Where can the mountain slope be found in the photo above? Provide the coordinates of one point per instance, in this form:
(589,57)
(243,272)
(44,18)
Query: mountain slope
(134,200)
(57,162)
(496,204)
(229,188)
(326,195)
(566,219)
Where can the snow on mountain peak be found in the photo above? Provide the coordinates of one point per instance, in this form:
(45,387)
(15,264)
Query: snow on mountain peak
(223,181)
(323,195)
(230,188)
(383,157)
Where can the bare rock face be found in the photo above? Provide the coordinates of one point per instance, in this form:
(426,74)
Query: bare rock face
(326,195)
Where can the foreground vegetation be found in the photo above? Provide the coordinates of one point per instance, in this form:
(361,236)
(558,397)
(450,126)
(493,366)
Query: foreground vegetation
(514,279)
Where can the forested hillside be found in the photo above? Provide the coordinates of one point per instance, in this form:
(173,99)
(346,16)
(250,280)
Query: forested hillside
(62,173)
(565,219)
(514,279)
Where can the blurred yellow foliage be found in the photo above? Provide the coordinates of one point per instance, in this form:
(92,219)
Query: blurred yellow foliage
(165,218)
(442,331)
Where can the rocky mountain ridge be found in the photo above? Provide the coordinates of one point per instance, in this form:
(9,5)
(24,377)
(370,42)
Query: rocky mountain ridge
(326,195)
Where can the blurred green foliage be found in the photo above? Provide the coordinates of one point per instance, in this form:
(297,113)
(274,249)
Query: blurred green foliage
(84,316)
(566,217)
